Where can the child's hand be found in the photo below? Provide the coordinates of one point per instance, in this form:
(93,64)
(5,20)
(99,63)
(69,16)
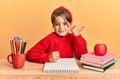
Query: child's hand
(54,56)
(76,30)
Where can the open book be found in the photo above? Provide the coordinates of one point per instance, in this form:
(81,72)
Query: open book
(63,65)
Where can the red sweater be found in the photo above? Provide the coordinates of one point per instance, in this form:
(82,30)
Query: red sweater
(66,45)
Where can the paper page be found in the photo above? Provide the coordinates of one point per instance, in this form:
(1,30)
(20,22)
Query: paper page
(63,65)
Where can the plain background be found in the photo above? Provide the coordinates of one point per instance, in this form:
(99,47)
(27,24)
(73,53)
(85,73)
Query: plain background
(30,19)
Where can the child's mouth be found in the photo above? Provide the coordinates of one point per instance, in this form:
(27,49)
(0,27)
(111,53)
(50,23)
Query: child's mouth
(61,31)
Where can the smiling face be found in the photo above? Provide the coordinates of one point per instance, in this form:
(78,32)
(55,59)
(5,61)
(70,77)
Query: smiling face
(60,26)
(61,22)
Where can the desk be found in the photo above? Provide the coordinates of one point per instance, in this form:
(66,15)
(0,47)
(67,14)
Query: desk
(34,71)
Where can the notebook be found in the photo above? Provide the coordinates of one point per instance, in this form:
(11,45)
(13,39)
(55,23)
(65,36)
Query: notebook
(63,65)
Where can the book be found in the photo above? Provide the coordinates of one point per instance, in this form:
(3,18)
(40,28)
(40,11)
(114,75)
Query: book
(108,64)
(63,65)
(97,62)
(102,69)
(91,56)
(94,64)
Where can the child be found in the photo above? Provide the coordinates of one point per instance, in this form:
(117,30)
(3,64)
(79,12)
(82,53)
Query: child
(64,42)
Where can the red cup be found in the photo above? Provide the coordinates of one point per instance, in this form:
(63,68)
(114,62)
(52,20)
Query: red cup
(18,60)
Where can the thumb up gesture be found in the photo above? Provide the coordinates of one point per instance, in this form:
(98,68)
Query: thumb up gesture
(76,30)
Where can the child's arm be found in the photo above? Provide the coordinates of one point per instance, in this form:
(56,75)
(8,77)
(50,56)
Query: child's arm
(80,46)
(38,52)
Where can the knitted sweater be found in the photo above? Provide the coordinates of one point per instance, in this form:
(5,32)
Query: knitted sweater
(67,46)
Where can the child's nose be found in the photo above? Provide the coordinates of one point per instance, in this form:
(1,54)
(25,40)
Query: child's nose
(60,26)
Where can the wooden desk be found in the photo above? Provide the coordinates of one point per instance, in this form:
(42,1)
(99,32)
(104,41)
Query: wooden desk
(33,71)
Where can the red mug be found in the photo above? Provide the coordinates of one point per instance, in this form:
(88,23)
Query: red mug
(18,60)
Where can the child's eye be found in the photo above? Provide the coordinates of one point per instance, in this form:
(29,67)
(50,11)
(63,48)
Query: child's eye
(65,23)
(56,24)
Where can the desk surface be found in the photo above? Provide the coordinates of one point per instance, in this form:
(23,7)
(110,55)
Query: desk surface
(34,71)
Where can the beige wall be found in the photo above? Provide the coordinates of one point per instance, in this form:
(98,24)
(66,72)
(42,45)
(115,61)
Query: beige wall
(30,19)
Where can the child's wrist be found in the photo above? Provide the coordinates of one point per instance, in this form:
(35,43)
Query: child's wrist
(76,34)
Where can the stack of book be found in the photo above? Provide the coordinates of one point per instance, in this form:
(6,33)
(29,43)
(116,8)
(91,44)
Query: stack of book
(97,63)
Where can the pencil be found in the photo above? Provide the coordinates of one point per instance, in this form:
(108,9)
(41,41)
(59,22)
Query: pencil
(11,46)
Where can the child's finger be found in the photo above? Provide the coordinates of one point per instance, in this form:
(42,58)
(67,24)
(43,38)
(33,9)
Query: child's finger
(82,27)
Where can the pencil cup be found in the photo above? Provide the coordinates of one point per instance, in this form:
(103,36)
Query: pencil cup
(18,60)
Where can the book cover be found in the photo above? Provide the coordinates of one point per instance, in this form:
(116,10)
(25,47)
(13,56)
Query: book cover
(108,64)
(96,65)
(102,69)
(89,63)
(97,62)
(92,56)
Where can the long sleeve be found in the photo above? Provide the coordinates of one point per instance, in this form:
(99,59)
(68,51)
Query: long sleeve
(37,53)
(65,45)
(80,46)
